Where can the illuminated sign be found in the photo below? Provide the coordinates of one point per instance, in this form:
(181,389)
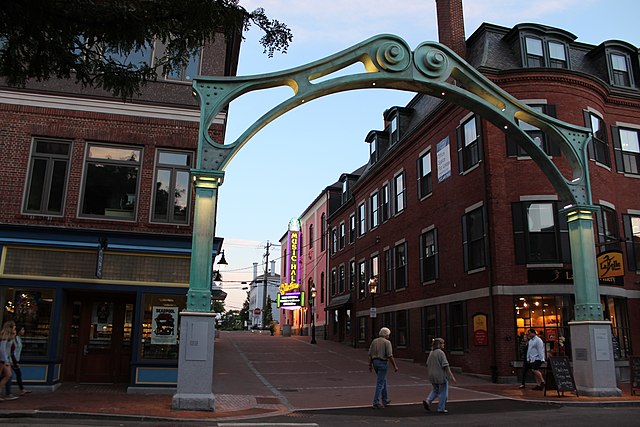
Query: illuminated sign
(289,296)
(290,300)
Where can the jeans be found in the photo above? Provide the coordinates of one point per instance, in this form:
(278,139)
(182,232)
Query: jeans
(380,368)
(440,392)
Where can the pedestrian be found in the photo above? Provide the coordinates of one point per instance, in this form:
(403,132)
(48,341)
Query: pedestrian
(16,352)
(535,357)
(380,353)
(439,374)
(7,334)
(525,365)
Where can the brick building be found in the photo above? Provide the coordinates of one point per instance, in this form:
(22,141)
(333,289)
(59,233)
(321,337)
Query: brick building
(95,230)
(463,230)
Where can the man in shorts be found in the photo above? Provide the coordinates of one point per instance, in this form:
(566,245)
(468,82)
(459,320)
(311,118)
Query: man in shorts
(535,357)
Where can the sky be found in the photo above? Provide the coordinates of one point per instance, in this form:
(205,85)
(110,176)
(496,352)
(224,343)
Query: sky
(282,169)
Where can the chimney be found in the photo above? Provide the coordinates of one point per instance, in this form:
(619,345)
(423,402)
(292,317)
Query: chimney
(255,270)
(273,268)
(451,25)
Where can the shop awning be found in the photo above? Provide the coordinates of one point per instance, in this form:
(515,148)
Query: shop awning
(338,302)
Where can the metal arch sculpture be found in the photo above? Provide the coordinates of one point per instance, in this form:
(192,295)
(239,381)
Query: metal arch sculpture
(389,63)
(431,69)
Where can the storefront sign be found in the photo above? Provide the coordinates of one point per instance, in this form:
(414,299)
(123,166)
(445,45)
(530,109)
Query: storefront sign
(565,275)
(164,325)
(480,336)
(289,296)
(291,300)
(610,266)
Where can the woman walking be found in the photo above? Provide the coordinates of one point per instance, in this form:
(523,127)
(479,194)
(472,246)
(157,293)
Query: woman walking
(439,375)
(7,334)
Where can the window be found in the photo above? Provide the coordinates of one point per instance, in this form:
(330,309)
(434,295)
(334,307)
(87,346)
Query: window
(134,59)
(345,190)
(402,328)
(323,231)
(615,310)
(342,235)
(540,234)
(401,266)
(322,287)
(341,279)
(352,275)
(334,241)
(362,328)
(375,218)
(608,230)
(550,317)
(430,326)
(468,144)
(47,177)
(545,53)
(311,236)
(539,138)
(632,238)
(474,239)
(428,256)
(598,149)
(424,175)
(352,228)
(362,219)
(32,308)
(620,70)
(398,188)
(373,150)
(457,326)
(172,197)
(557,55)
(334,281)
(362,279)
(626,146)
(375,266)
(187,72)
(111,182)
(394,130)
(388,270)
(386,205)
(534,52)
(149,349)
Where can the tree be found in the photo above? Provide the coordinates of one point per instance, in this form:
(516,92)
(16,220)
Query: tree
(268,316)
(244,313)
(95,41)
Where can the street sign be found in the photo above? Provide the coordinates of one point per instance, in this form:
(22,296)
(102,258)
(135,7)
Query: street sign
(257,311)
(372,312)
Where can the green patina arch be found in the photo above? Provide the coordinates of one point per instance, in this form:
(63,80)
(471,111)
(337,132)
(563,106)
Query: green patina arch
(389,63)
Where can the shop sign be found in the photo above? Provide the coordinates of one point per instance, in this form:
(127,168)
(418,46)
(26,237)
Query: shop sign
(480,336)
(565,275)
(164,328)
(611,267)
(290,301)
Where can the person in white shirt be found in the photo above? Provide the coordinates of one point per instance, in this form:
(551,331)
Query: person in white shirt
(535,357)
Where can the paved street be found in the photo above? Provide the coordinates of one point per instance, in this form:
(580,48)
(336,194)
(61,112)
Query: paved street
(264,380)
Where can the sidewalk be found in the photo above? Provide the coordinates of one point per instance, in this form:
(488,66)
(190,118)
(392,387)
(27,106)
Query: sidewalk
(257,375)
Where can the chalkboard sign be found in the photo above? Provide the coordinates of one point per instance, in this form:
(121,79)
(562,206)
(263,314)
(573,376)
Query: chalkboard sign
(560,376)
(634,373)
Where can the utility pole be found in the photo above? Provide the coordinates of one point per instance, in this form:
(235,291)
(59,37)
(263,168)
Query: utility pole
(264,291)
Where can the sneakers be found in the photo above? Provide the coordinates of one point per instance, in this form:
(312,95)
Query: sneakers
(386,402)
(426,405)
(10,397)
(443,412)
(538,387)
(521,386)
(377,406)
(23,392)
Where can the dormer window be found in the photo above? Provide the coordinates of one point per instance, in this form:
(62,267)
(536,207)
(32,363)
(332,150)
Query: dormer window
(394,131)
(345,190)
(620,69)
(373,150)
(540,52)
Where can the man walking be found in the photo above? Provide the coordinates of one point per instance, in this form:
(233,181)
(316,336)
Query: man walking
(380,352)
(535,357)
(439,374)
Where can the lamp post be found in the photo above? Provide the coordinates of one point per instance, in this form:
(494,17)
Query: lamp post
(312,302)
(373,289)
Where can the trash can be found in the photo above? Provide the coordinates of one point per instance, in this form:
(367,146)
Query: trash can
(286,330)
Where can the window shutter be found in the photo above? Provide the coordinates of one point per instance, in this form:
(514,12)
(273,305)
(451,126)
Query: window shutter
(460,149)
(447,316)
(563,229)
(465,255)
(617,148)
(479,134)
(435,242)
(600,225)
(587,123)
(465,329)
(628,240)
(519,233)
(554,149)
(512,147)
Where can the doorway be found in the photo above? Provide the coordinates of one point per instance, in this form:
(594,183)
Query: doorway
(98,338)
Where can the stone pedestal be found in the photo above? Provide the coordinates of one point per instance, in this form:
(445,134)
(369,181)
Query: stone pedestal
(593,362)
(195,362)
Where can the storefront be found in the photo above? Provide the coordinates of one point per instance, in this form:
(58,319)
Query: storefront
(96,308)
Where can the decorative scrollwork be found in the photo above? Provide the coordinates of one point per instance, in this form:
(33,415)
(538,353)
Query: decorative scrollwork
(431,62)
(393,56)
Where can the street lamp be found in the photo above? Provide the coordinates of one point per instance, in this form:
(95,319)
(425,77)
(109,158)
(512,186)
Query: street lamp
(312,302)
(373,289)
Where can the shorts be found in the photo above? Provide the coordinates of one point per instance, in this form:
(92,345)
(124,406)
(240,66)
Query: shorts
(535,365)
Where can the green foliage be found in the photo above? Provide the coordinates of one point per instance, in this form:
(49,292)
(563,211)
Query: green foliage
(244,313)
(218,306)
(90,41)
(268,313)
